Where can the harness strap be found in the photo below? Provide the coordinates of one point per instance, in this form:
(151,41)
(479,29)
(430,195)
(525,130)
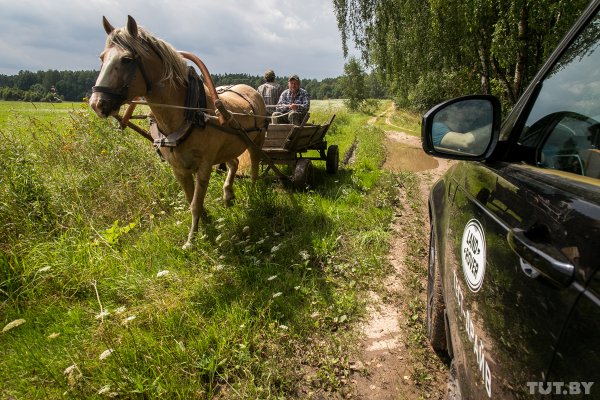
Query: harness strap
(195,99)
(174,138)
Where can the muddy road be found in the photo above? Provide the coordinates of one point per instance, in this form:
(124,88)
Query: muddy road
(394,360)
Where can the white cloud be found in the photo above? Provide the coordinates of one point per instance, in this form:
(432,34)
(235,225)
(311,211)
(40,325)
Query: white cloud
(232,36)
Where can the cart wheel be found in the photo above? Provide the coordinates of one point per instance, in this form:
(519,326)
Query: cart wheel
(302,173)
(333,159)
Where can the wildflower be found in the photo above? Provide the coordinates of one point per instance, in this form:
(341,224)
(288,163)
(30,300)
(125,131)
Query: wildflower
(120,310)
(304,254)
(283,327)
(271,277)
(105,354)
(104,313)
(13,324)
(129,319)
(69,369)
(275,248)
(104,389)
(162,273)
(277,294)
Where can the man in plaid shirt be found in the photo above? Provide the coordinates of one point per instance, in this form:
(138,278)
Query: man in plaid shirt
(270,91)
(293,103)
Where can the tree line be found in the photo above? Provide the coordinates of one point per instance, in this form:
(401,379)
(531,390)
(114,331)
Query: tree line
(55,85)
(431,50)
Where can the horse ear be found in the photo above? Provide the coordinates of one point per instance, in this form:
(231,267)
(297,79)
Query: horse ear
(107,26)
(132,26)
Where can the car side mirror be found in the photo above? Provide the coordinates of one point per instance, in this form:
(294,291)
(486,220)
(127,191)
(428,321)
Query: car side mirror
(464,128)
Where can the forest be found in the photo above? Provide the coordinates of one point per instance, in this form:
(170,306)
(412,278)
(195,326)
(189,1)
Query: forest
(56,86)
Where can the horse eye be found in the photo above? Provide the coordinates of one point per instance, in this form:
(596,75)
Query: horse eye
(127,60)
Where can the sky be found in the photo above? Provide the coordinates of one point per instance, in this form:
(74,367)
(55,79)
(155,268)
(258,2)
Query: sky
(230,36)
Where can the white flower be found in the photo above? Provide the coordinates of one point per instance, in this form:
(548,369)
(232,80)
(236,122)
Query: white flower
(271,277)
(105,354)
(129,319)
(275,248)
(104,313)
(120,310)
(283,327)
(162,273)
(13,324)
(304,254)
(277,294)
(104,389)
(69,369)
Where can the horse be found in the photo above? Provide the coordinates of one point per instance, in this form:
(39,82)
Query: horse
(136,64)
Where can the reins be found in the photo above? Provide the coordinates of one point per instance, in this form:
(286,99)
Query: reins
(209,110)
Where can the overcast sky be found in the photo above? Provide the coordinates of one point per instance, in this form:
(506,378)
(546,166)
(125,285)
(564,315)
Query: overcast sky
(230,36)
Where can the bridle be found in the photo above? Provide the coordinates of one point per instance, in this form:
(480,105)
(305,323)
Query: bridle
(120,95)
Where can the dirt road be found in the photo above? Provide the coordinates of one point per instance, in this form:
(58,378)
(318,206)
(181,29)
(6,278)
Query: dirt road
(395,360)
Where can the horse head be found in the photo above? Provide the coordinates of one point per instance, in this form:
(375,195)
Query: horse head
(123,75)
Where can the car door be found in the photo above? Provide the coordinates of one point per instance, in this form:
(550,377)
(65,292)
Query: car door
(523,235)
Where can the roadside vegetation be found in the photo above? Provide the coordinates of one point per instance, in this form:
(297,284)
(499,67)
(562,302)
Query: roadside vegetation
(98,299)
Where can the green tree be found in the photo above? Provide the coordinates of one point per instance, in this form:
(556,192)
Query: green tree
(353,84)
(429,50)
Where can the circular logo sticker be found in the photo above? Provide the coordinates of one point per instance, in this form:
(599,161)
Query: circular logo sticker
(473,254)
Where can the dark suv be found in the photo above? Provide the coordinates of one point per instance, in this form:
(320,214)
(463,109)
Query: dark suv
(514,287)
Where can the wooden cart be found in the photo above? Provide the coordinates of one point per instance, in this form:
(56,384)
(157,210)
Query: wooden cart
(286,144)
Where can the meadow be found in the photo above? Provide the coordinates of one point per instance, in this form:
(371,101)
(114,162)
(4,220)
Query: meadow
(97,298)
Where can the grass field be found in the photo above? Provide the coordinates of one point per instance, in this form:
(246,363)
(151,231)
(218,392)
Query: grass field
(97,298)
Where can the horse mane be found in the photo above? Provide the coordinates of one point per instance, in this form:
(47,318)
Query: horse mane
(175,66)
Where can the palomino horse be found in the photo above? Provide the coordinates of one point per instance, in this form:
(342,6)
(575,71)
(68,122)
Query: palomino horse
(136,64)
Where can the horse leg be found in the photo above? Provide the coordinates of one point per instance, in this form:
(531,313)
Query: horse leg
(197,202)
(228,195)
(186,181)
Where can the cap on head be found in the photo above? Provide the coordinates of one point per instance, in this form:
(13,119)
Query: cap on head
(269,74)
(293,78)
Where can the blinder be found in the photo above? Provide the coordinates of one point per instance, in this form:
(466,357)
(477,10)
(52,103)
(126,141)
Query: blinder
(118,96)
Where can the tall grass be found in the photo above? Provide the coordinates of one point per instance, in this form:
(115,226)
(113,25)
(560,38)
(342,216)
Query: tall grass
(91,224)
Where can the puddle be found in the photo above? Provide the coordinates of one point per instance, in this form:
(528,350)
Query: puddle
(402,157)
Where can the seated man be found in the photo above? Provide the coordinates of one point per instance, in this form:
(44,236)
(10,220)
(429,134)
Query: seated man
(293,103)
(270,91)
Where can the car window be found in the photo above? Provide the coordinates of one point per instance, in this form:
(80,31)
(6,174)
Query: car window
(562,130)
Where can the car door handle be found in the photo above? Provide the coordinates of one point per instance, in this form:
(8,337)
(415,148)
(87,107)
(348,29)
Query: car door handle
(544,257)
